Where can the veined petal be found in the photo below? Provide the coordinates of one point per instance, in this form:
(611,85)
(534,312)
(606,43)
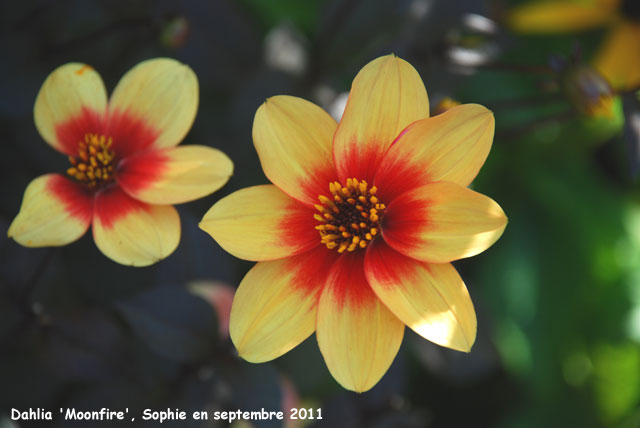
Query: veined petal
(386,96)
(160,93)
(174,175)
(71,102)
(261,223)
(358,336)
(549,17)
(293,139)
(452,146)
(429,298)
(131,232)
(55,211)
(441,222)
(618,58)
(274,308)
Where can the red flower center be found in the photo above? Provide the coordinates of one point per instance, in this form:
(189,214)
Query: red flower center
(350,218)
(94,163)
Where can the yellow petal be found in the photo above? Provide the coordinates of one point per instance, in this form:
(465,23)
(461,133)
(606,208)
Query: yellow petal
(55,211)
(163,93)
(431,299)
(551,17)
(131,232)
(386,96)
(441,222)
(274,308)
(618,59)
(293,139)
(358,336)
(261,223)
(451,146)
(71,99)
(174,175)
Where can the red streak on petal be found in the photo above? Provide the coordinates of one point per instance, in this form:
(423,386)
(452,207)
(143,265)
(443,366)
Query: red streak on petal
(396,178)
(130,134)
(297,229)
(73,130)
(404,131)
(398,174)
(390,268)
(311,269)
(348,284)
(77,201)
(405,220)
(82,69)
(141,170)
(317,182)
(112,204)
(361,162)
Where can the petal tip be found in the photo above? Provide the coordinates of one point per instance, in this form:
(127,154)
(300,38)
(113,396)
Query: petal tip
(269,101)
(204,224)
(462,342)
(468,343)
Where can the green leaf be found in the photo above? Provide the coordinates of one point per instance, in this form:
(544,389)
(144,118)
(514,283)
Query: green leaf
(617,382)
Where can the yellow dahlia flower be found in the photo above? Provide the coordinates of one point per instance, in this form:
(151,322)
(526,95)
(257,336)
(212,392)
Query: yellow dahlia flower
(125,170)
(354,237)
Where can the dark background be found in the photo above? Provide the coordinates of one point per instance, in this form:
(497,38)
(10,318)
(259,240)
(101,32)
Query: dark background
(557,298)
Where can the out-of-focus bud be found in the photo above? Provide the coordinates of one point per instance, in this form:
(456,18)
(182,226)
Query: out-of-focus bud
(472,43)
(418,9)
(331,101)
(589,92)
(175,32)
(445,104)
(284,50)
(220,296)
(323,95)
(290,400)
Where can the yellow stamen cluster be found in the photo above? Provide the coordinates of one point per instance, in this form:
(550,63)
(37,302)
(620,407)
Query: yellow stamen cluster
(350,218)
(93,165)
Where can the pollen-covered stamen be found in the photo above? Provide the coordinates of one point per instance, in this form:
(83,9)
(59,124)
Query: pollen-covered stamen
(350,218)
(94,163)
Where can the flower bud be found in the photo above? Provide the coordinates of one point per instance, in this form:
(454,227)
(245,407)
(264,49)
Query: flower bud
(589,92)
(175,32)
(445,104)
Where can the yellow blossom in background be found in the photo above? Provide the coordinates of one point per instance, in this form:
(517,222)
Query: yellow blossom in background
(445,104)
(125,171)
(355,236)
(618,58)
